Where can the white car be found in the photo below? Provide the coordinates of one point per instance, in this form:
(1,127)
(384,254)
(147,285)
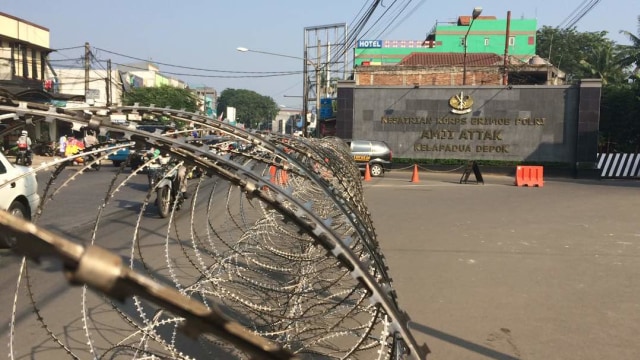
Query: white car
(18,195)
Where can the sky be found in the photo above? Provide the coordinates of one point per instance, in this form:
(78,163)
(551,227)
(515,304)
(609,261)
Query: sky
(204,34)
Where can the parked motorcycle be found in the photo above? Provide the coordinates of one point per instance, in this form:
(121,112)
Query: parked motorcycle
(168,190)
(44,148)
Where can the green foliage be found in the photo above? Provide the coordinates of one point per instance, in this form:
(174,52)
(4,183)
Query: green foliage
(620,118)
(579,54)
(252,109)
(163,96)
(601,63)
(630,54)
(592,55)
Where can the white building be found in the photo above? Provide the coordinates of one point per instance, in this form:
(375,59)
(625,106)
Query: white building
(150,76)
(104,88)
(282,124)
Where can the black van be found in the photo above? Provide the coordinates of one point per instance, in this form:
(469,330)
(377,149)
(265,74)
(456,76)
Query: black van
(375,153)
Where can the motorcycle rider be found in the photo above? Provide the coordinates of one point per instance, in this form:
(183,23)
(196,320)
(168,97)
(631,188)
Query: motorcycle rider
(90,139)
(154,153)
(24,144)
(170,131)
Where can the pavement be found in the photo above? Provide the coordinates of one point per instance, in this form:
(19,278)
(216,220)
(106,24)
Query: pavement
(38,160)
(497,271)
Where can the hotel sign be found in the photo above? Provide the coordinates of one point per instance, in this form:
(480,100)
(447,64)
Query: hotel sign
(369,44)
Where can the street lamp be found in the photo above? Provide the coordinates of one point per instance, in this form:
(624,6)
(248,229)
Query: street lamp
(306,84)
(474,15)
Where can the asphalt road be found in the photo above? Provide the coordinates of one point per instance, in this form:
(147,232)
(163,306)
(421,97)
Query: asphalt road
(497,271)
(489,271)
(75,211)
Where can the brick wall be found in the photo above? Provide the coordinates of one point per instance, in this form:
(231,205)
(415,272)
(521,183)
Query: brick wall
(397,76)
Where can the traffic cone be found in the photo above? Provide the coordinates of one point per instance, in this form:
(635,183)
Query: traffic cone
(415,178)
(367,173)
(282,177)
(272,173)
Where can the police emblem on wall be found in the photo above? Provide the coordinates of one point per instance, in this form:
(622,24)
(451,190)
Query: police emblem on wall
(461,103)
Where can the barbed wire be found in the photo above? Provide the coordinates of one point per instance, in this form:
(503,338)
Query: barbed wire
(274,253)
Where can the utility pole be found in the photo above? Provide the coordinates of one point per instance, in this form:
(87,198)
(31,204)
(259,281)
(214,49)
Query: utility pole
(109,82)
(474,15)
(87,55)
(505,74)
(318,84)
(305,94)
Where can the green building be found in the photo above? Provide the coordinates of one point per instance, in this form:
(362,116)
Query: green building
(487,34)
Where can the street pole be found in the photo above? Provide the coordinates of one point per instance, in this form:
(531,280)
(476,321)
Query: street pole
(305,81)
(87,55)
(109,82)
(318,83)
(464,58)
(476,12)
(505,75)
(305,86)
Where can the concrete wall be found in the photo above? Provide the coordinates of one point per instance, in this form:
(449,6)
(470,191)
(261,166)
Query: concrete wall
(518,123)
(420,75)
(23,30)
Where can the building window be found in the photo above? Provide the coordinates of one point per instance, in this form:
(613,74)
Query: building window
(34,63)
(25,63)
(42,64)
(512,40)
(15,56)
(486,41)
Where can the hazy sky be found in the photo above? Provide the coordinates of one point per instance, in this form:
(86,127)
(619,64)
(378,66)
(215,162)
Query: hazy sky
(204,34)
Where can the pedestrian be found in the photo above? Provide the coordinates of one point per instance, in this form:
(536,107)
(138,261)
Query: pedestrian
(63,145)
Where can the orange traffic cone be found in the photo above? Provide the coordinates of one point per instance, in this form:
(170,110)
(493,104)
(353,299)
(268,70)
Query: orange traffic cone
(272,173)
(282,177)
(367,173)
(415,178)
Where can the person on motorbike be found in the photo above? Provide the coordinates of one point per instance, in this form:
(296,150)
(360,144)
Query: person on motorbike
(182,177)
(153,153)
(24,144)
(90,139)
(182,170)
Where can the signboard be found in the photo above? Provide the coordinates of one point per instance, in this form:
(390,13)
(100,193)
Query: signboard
(118,118)
(134,117)
(369,44)
(92,94)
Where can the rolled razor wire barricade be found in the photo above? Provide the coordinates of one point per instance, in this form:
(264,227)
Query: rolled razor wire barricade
(275,238)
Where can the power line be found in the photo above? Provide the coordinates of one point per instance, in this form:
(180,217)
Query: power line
(190,67)
(69,48)
(578,13)
(263,75)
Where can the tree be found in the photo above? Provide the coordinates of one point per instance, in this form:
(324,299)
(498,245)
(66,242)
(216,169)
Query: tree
(252,109)
(163,96)
(619,114)
(602,63)
(630,54)
(569,49)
